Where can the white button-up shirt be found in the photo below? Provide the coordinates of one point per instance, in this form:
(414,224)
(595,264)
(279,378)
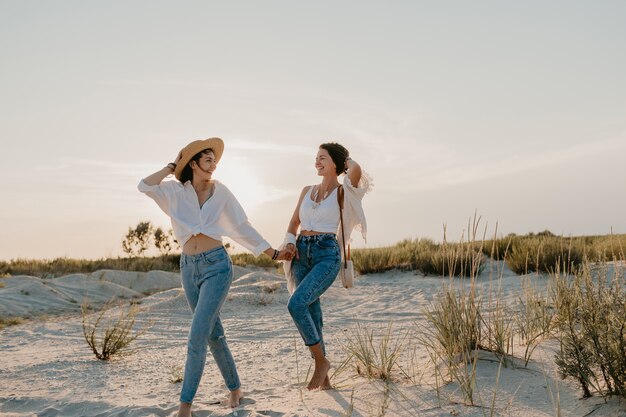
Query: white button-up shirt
(221,215)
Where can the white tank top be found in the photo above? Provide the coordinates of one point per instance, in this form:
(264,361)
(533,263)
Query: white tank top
(322,217)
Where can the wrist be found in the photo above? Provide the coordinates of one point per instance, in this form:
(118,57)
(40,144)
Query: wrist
(289,238)
(171,166)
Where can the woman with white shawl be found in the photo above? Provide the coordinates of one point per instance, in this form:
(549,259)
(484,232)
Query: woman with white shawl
(317,250)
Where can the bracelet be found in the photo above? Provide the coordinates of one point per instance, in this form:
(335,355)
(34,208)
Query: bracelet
(171,166)
(276,253)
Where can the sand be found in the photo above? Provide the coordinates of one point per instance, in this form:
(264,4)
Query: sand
(46,368)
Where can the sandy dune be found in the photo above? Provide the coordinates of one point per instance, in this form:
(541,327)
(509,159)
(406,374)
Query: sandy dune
(47,369)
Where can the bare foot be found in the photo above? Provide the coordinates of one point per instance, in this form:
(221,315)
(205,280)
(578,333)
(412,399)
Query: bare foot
(184,410)
(320,374)
(326,384)
(235,397)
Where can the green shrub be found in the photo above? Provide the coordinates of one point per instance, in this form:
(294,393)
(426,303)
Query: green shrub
(591,319)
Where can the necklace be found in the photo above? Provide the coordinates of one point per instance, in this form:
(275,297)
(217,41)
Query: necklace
(315,193)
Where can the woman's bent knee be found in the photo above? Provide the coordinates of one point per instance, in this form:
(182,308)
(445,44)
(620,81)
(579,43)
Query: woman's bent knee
(296,307)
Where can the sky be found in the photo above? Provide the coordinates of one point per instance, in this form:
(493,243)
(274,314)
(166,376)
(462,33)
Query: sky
(515,111)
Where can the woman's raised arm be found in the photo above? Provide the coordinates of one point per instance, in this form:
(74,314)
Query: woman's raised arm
(157,177)
(354,171)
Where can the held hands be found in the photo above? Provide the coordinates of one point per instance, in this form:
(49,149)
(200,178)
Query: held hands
(288,253)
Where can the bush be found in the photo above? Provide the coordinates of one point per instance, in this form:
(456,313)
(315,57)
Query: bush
(591,319)
(107,336)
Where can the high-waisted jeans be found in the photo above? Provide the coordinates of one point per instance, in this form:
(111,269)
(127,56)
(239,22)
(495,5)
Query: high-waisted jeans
(206,280)
(314,272)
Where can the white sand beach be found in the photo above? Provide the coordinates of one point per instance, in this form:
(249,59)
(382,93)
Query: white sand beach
(47,369)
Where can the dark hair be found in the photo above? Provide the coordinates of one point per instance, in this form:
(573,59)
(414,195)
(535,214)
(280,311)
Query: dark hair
(187,174)
(338,154)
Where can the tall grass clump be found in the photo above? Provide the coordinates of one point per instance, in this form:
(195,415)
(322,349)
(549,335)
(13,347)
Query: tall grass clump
(451,336)
(423,255)
(374,355)
(107,335)
(544,254)
(498,321)
(452,333)
(498,249)
(534,318)
(407,255)
(591,320)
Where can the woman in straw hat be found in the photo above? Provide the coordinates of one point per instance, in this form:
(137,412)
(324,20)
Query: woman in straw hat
(316,251)
(202,211)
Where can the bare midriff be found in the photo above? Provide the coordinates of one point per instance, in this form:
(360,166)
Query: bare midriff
(313,233)
(200,243)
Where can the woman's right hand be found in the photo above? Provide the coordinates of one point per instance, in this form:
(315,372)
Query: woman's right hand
(177,160)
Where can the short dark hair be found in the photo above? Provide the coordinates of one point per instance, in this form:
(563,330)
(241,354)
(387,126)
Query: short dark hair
(187,174)
(338,154)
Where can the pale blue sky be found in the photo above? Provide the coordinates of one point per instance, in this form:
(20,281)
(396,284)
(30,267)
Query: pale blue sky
(514,109)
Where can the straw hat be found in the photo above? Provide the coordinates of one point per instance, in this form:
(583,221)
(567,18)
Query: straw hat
(188,152)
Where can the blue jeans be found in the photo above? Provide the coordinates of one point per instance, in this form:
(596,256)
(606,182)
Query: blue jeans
(206,279)
(314,272)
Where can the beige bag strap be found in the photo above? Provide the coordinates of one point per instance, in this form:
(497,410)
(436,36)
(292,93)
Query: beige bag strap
(346,255)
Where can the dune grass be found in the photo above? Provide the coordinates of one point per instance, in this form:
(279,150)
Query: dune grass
(523,254)
(421,255)
(584,307)
(63,266)
(10,321)
(540,252)
(544,251)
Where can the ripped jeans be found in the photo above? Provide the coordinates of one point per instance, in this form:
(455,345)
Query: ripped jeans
(206,280)
(314,272)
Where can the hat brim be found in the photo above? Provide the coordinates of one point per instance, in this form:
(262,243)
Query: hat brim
(189,151)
